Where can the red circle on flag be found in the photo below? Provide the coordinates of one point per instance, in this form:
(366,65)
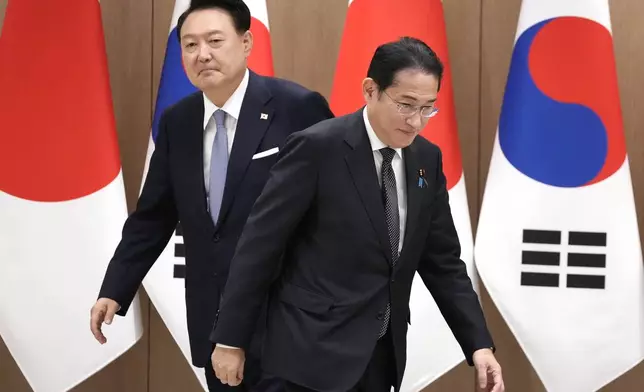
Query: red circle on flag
(56,121)
(375,22)
(261,57)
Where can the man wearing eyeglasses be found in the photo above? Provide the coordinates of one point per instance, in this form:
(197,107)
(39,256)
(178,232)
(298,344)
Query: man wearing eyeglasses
(353,208)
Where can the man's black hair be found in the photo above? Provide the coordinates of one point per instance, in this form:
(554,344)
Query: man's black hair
(405,53)
(237,9)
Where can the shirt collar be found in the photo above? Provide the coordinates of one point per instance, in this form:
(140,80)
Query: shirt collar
(376,143)
(232,106)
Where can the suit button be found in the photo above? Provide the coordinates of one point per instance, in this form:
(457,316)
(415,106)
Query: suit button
(380,316)
(393,280)
(216,238)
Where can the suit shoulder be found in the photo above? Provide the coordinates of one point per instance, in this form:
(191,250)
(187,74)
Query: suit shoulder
(328,130)
(189,102)
(287,89)
(427,147)
(186,104)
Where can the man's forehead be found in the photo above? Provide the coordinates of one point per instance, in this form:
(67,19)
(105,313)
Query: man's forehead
(416,92)
(203,21)
(412,76)
(187,33)
(420,87)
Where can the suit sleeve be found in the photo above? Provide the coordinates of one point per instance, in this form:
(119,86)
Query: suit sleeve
(445,275)
(286,197)
(146,232)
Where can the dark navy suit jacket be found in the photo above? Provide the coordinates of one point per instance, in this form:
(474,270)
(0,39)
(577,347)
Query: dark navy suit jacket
(174,192)
(320,226)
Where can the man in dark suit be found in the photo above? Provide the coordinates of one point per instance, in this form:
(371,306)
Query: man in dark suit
(356,205)
(193,180)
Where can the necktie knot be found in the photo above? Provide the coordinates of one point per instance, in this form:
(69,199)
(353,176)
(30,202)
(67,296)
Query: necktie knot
(219,115)
(387,155)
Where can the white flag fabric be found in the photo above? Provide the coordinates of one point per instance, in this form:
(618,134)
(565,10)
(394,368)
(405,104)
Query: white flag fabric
(164,283)
(62,198)
(557,245)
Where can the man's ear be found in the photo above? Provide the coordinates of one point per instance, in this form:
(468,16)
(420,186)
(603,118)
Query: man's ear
(369,89)
(248,42)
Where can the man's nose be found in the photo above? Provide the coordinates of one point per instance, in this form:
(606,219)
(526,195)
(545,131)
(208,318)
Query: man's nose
(204,53)
(415,120)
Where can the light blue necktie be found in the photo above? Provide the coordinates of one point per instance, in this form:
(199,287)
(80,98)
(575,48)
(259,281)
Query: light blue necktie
(218,166)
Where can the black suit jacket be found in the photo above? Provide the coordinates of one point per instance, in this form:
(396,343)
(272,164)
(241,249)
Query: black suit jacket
(322,205)
(174,191)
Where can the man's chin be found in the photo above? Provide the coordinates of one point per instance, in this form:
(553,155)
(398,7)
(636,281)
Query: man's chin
(404,140)
(208,83)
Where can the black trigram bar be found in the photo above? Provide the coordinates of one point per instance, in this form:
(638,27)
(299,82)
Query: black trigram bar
(586,238)
(532,257)
(541,237)
(586,281)
(179,250)
(179,271)
(539,279)
(586,260)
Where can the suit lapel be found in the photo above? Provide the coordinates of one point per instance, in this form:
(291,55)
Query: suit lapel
(193,122)
(414,192)
(254,119)
(363,171)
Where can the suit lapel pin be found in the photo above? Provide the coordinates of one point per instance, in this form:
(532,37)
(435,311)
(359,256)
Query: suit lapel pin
(263,116)
(422,182)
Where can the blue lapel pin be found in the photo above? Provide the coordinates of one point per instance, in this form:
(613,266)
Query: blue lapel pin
(422,182)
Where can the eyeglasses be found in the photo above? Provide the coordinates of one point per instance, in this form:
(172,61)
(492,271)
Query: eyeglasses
(407,110)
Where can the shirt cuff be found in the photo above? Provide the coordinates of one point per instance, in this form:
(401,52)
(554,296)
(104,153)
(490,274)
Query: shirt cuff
(224,346)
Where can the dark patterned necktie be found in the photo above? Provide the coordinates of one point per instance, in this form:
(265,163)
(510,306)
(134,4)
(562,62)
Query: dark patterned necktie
(390,201)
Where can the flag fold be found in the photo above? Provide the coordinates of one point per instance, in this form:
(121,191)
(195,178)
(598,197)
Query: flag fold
(432,349)
(62,198)
(165,283)
(557,245)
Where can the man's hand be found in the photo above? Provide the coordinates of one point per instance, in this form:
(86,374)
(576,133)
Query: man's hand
(103,311)
(228,364)
(488,371)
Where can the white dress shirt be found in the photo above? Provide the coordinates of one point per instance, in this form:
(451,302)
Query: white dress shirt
(232,107)
(399,172)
